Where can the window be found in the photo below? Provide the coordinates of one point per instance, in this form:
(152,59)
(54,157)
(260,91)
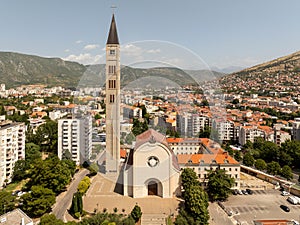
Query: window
(112,52)
(112,98)
(111,69)
(112,84)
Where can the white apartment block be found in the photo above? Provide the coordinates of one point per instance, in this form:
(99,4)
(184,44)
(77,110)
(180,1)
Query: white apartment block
(75,136)
(296,129)
(189,125)
(281,136)
(12,148)
(249,133)
(224,129)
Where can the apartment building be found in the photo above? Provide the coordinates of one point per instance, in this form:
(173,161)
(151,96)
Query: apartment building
(185,145)
(12,148)
(225,129)
(189,125)
(75,137)
(209,157)
(249,133)
(296,129)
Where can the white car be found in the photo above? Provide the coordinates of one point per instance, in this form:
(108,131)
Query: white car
(285,193)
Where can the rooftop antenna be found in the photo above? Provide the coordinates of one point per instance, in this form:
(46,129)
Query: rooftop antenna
(113,7)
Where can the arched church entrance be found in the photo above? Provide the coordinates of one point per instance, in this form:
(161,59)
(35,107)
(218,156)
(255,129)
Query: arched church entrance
(152,188)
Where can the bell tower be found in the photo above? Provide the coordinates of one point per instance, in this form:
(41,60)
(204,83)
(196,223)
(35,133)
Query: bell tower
(112,70)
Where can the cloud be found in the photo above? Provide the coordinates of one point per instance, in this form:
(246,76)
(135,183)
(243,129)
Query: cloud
(78,42)
(154,51)
(86,58)
(131,50)
(67,50)
(91,47)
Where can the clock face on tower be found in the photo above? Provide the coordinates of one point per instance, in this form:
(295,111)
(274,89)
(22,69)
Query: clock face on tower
(153,161)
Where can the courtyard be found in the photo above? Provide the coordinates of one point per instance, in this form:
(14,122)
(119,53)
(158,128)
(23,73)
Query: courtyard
(101,196)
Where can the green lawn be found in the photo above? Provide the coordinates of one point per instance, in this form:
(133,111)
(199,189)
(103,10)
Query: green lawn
(15,186)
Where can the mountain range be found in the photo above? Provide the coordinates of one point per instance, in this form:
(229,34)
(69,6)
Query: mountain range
(20,69)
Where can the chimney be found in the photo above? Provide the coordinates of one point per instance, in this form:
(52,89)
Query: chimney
(22,221)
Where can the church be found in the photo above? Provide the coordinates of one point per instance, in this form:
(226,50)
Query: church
(151,167)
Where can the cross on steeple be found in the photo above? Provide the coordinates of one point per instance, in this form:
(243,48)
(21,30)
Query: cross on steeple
(113,7)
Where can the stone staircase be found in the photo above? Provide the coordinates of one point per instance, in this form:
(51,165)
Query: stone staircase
(153,219)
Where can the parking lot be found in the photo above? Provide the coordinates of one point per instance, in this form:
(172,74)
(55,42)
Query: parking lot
(262,204)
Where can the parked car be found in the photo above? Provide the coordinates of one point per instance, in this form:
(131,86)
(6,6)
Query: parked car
(240,192)
(295,222)
(235,192)
(293,200)
(285,208)
(244,192)
(250,192)
(285,193)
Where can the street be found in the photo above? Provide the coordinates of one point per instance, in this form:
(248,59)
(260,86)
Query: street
(63,201)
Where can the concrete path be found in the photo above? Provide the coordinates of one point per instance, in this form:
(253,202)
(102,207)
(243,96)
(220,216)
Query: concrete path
(64,200)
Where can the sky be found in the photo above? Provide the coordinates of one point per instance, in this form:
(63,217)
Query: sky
(219,33)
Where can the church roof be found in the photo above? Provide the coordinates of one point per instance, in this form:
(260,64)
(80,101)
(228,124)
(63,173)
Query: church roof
(113,34)
(152,136)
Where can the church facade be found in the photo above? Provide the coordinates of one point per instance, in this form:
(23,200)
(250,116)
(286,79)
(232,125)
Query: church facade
(151,168)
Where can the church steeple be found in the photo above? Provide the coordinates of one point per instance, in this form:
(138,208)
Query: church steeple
(113,34)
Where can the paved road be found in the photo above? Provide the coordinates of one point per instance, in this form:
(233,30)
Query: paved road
(263,204)
(218,215)
(64,200)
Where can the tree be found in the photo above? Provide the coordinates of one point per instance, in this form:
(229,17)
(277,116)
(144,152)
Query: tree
(287,172)
(136,213)
(84,185)
(235,101)
(32,154)
(188,178)
(260,164)
(248,159)
(205,133)
(129,138)
(204,102)
(7,202)
(50,219)
(66,155)
(273,168)
(269,151)
(51,173)
(237,156)
(19,171)
(196,200)
(76,207)
(184,218)
(219,185)
(292,149)
(196,204)
(139,127)
(38,202)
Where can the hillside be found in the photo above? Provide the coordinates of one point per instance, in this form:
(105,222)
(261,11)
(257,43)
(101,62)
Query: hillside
(17,69)
(278,75)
